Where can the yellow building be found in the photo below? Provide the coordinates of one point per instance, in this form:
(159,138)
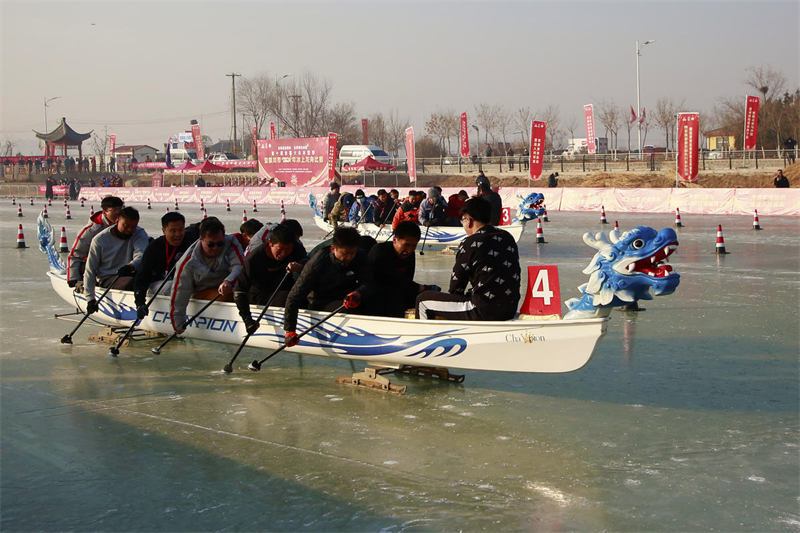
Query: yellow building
(721,139)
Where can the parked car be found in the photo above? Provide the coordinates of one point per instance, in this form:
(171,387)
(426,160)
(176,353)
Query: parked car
(715,154)
(222,156)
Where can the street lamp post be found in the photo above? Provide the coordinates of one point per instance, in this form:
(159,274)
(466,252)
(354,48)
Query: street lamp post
(46,100)
(638,103)
(279,97)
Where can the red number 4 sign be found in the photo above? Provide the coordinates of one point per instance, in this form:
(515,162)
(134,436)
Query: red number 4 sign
(543,295)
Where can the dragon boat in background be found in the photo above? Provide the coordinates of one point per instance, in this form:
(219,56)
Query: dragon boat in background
(529,208)
(625,268)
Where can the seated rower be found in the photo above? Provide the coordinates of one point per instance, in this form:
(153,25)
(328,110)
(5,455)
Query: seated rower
(383,209)
(485,191)
(330,200)
(341,211)
(263,273)
(160,256)
(260,238)
(114,255)
(431,211)
(394,263)
(212,267)
(453,212)
(361,210)
(247,231)
(487,260)
(408,210)
(335,276)
(110,208)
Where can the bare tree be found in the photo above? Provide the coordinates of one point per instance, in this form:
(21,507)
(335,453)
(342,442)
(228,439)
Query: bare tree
(257,97)
(342,119)
(553,134)
(610,116)
(8,147)
(378,130)
(505,123)
(571,125)
(98,144)
(486,118)
(665,116)
(396,129)
(524,117)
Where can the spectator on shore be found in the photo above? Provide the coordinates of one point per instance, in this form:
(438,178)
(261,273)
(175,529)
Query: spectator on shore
(780,181)
(552,180)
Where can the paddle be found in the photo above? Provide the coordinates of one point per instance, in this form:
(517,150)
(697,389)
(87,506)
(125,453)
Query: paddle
(67,339)
(229,367)
(255,366)
(114,350)
(157,349)
(422,250)
(388,218)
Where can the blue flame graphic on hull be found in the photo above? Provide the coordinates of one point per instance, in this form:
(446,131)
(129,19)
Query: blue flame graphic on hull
(358,342)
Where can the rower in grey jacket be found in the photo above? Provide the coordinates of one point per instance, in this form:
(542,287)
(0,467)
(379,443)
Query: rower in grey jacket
(110,208)
(115,251)
(212,267)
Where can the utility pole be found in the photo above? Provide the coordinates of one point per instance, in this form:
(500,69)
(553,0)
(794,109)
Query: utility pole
(233,77)
(296,98)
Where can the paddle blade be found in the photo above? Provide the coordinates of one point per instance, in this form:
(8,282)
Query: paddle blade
(255,366)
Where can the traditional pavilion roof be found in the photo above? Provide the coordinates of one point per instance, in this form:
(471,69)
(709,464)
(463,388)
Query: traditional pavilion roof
(63,134)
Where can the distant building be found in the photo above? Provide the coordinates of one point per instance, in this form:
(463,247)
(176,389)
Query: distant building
(140,151)
(721,139)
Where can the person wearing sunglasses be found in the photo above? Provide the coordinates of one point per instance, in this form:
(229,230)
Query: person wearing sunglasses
(210,269)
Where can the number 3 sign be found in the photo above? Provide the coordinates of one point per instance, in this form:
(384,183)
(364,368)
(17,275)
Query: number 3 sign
(543,295)
(505,217)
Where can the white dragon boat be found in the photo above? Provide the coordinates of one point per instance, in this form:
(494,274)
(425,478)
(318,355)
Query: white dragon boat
(623,271)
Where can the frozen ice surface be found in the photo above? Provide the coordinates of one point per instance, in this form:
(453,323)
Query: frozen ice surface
(686,419)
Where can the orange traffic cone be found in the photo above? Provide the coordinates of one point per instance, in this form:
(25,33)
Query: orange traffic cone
(202,205)
(244,215)
(205,214)
(168,210)
(19,211)
(283,212)
(678,218)
(616,226)
(603,215)
(148,204)
(176,206)
(69,216)
(228,205)
(544,215)
(720,242)
(63,247)
(13,200)
(31,200)
(20,238)
(50,203)
(756,225)
(82,204)
(44,212)
(539,232)
(255,208)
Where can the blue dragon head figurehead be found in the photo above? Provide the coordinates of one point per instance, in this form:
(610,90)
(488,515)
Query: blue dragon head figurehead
(625,269)
(532,206)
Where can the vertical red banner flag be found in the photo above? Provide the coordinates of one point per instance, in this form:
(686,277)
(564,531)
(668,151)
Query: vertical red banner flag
(365,130)
(332,138)
(271,130)
(688,133)
(410,158)
(464,136)
(751,122)
(112,144)
(538,133)
(253,149)
(198,141)
(588,113)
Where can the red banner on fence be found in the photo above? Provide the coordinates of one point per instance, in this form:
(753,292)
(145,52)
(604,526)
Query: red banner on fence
(271,130)
(365,130)
(112,143)
(464,136)
(410,159)
(198,141)
(751,122)
(688,133)
(588,113)
(296,162)
(538,133)
(332,139)
(151,164)
(238,163)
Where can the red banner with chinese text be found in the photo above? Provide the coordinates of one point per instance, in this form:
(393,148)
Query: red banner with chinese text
(410,158)
(751,122)
(538,133)
(588,113)
(296,162)
(332,139)
(365,131)
(271,130)
(198,141)
(688,132)
(112,143)
(464,136)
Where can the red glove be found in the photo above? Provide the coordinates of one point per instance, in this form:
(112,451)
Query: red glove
(291,339)
(352,300)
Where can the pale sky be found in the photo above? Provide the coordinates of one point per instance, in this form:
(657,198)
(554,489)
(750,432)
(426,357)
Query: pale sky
(144,69)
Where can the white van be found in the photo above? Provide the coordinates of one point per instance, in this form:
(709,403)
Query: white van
(350,154)
(180,155)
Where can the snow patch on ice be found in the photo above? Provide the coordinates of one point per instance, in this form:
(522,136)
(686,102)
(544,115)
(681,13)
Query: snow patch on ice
(757,479)
(389,463)
(548,492)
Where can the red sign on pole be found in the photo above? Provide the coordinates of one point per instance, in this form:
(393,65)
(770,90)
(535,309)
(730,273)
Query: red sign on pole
(543,296)
(688,133)
(255,137)
(538,133)
(296,162)
(198,141)
(271,130)
(365,130)
(588,113)
(112,143)
(464,136)
(410,159)
(332,139)
(751,122)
